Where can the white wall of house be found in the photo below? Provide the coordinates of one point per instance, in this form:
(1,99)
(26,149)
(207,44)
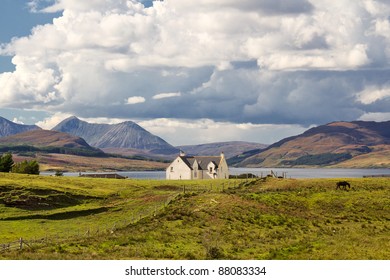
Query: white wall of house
(223,169)
(178,170)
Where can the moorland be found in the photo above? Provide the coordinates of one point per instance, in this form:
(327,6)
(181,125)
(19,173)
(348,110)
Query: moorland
(87,218)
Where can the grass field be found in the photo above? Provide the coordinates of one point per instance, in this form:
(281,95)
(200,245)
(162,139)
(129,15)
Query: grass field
(87,218)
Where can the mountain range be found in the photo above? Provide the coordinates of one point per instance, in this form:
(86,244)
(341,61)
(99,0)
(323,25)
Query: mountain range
(230,149)
(125,135)
(338,144)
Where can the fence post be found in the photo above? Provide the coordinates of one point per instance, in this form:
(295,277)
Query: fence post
(21,243)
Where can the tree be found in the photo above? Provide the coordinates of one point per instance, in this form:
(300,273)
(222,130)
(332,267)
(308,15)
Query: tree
(26,167)
(6,162)
(59,173)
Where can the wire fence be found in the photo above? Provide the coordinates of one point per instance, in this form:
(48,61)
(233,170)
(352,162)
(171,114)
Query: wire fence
(133,217)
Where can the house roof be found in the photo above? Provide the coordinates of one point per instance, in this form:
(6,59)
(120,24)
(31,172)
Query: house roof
(202,161)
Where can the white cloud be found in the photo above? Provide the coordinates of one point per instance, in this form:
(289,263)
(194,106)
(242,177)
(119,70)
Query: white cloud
(50,122)
(17,120)
(371,95)
(376,117)
(167,95)
(135,100)
(314,60)
(187,132)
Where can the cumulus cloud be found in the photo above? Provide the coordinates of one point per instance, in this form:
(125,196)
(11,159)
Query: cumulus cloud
(253,61)
(135,100)
(371,95)
(50,122)
(167,95)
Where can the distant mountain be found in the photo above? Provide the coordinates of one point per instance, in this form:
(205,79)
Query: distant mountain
(348,144)
(230,149)
(47,141)
(126,135)
(8,128)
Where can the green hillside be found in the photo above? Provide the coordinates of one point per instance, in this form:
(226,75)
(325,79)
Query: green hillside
(48,142)
(135,219)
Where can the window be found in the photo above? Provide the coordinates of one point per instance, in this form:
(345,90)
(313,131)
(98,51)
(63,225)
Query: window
(171,168)
(211,170)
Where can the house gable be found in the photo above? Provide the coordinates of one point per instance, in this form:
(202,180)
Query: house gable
(179,169)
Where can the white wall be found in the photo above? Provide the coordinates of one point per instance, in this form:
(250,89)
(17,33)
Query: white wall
(178,170)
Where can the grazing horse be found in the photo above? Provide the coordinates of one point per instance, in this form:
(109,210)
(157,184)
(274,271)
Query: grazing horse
(343,185)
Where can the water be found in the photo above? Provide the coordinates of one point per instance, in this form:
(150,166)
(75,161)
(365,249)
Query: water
(289,173)
(312,172)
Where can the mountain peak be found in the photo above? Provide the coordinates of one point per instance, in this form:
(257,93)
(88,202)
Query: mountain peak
(8,127)
(128,135)
(71,118)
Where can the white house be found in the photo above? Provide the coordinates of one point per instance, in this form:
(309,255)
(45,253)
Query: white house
(198,167)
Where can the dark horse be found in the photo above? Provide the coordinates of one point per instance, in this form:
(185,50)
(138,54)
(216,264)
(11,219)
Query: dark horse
(343,185)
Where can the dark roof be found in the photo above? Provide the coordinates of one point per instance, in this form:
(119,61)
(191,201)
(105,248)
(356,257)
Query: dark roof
(202,161)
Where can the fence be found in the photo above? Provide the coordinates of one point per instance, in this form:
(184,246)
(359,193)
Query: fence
(86,232)
(21,244)
(133,218)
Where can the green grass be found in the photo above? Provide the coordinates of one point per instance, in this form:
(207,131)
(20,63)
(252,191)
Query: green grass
(38,206)
(272,219)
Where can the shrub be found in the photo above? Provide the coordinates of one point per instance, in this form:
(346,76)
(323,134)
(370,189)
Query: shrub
(59,173)
(26,167)
(215,253)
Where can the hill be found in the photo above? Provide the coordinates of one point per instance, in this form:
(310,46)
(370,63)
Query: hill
(362,144)
(230,149)
(77,163)
(84,218)
(47,141)
(8,128)
(126,135)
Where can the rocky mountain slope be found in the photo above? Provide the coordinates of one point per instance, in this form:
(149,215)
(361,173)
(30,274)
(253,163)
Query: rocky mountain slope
(329,145)
(126,135)
(8,128)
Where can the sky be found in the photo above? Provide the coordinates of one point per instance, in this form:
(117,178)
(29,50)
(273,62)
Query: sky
(196,72)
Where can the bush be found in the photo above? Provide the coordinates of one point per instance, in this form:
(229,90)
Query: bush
(59,173)
(26,167)
(215,253)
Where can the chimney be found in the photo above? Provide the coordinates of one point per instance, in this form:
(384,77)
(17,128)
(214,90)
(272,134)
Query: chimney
(182,154)
(222,155)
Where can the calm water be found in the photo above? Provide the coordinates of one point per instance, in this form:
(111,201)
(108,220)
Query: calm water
(289,172)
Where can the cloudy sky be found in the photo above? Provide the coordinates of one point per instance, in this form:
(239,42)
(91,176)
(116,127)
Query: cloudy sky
(196,71)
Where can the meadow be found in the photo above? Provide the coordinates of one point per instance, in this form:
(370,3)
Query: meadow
(86,218)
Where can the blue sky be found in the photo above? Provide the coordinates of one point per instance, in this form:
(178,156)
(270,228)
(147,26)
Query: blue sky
(196,71)
(17,20)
